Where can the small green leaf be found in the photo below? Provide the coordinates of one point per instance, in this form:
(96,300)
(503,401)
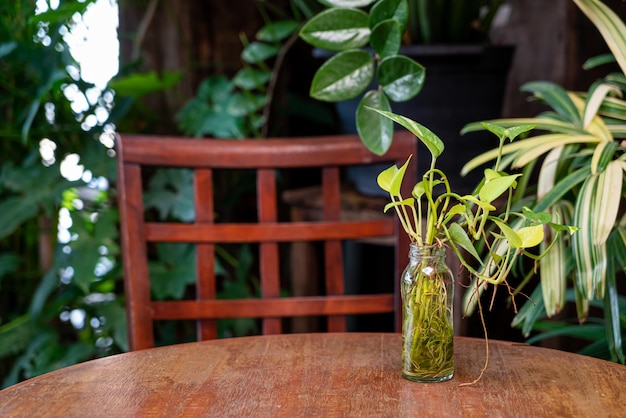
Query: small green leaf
(515,241)
(492,189)
(277,31)
(459,237)
(257,52)
(406,202)
(536,218)
(396,182)
(251,78)
(530,235)
(385,178)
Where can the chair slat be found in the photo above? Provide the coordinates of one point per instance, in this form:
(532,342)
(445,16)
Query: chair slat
(269,263)
(274,232)
(274,307)
(205,253)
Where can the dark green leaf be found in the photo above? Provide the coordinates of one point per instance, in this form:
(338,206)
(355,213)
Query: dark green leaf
(375,130)
(257,52)
(138,85)
(175,269)
(170,191)
(245,104)
(389,9)
(251,78)
(277,31)
(556,97)
(337,29)
(386,38)
(400,77)
(344,76)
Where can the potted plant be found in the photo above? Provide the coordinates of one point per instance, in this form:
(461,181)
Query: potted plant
(435,216)
(373,50)
(578,151)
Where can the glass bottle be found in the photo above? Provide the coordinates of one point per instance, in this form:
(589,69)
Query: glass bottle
(427,289)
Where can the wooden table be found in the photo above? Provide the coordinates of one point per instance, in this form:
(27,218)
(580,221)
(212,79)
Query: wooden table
(330,375)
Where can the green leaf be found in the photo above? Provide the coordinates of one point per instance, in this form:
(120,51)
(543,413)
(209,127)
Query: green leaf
(337,29)
(170,191)
(251,78)
(608,198)
(610,26)
(612,315)
(138,85)
(257,52)
(385,178)
(398,177)
(277,31)
(245,104)
(515,241)
(344,76)
(397,10)
(174,270)
(530,235)
(553,265)
(557,98)
(405,202)
(432,141)
(460,238)
(493,188)
(386,38)
(589,258)
(375,130)
(400,77)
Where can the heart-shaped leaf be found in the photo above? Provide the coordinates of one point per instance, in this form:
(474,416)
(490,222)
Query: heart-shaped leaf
(530,235)
(492,189)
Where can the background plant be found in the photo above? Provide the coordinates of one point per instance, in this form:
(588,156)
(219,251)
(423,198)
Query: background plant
(366,38)
(450,21)
(578,154)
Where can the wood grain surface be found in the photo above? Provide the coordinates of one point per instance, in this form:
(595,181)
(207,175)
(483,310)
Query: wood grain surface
(329,375)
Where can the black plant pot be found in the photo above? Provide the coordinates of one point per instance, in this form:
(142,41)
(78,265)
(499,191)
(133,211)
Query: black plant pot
(464,83)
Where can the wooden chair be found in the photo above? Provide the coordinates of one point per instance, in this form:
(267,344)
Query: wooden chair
(265,157)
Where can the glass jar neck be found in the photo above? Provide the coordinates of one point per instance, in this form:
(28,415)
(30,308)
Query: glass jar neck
(435,253)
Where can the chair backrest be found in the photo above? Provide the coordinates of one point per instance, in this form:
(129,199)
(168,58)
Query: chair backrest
(265,157)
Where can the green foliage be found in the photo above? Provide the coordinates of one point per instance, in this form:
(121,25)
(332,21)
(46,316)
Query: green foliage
(367,42)
(582,160)
(42,282)
(241,107)
(436,215)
